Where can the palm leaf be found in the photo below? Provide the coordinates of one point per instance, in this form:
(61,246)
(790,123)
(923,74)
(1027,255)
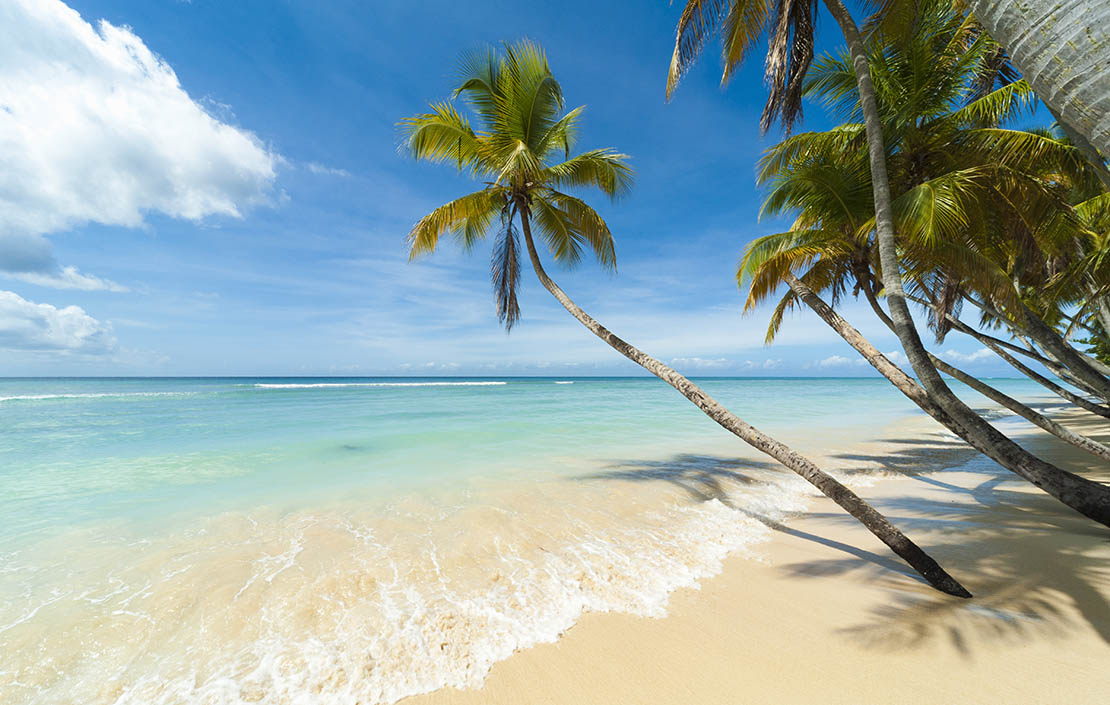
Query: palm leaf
(469,218)
(604,169)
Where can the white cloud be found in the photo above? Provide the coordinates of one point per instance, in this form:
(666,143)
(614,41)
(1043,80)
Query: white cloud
(957,356)
(316,168)
(700,363)
(26,325)
(430,366)
(94,127)
(840,361)
(897,357)
(765,365)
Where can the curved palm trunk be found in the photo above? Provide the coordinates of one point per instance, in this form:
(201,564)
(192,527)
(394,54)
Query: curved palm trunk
(1097,302)
(903,382)
(1062,48)
(982,337)
(1085,370)
(1037,419)
(915,393)
(1066,362)
(1088,498)
(875,522)
(1063,433)
(1062,392)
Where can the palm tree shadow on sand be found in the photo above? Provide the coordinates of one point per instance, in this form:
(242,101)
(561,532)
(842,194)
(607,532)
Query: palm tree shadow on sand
(708,477)
(1036,569)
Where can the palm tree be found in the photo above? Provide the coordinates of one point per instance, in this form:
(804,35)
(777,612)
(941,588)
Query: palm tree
(522,154)
(816,175)
(700,20)
(1062,49)
(953,179)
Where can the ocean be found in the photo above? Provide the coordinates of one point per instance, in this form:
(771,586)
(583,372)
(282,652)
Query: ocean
(359,540)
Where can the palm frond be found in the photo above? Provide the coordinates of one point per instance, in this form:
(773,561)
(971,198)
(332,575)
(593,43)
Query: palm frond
(818,278)
(996,107)
(558,230)
(742,28)
(831,146)
(1024,149)
(469,218)
(766,260)
(789,55)
(562,133)
(442,135)
(504,271)
(589,227)
(697,23)
(604,169)
(531,98)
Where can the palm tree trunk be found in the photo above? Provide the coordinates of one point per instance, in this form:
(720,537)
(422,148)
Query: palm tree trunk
(1085,369)
(1062,48)
(1102,310)
(1037,419)
(1066,362)
(903,382)
(1099,302)
(1050,360)
(1062,392)
(848,500)
(1068,436)
(1031,354)
(910,388)
(1086,497)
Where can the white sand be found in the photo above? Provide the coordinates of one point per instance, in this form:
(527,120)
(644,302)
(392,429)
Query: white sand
(831,616)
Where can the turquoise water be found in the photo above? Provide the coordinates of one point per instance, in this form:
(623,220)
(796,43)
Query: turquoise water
(143,516)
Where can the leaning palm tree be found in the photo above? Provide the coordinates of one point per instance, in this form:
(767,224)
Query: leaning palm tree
(741,23)
(982,435)
(522,154)
(957,181)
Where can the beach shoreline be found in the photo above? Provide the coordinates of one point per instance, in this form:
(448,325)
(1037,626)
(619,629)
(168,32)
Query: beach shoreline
(672,565)
(827,615)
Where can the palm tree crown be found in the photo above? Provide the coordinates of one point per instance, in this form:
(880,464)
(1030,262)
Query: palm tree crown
(968,193)
(521,151)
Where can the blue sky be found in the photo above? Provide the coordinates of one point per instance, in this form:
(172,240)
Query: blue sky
(245,214)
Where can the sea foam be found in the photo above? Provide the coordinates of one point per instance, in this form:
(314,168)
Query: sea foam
(338,607)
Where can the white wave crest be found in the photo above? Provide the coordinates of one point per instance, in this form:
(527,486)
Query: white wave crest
(101,395)
(329,385)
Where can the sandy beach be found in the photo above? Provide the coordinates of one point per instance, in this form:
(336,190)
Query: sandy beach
(826,615)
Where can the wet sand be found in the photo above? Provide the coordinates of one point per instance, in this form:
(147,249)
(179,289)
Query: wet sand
(828,615)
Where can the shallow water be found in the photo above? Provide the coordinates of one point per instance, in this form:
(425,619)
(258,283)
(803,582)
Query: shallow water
(359,540)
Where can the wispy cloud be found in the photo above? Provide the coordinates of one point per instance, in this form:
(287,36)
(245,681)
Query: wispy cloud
(67,278)
(316,168)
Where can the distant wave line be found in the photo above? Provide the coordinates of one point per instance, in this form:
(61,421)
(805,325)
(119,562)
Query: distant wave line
(564,383)
(99,395)
(328,385)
